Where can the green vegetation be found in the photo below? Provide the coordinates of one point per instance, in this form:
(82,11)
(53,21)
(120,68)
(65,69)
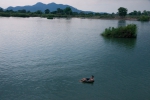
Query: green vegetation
(122,11)
(140,16)
(67,13)
(4,14)
(20,15)
(47,11)
(128,31)
(50,17)
(144,18)
(60,13)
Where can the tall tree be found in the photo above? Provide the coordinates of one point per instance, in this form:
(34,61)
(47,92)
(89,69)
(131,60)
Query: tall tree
(82,13)
(28,11)
(38,12)
(22,11)
(47,11)
(10,11)
(122,11)
(68,10)
(139,12)
(1,10)
(145,12)
(60,11)
(135,12)
(148,12)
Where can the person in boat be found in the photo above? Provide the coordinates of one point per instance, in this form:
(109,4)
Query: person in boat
(91,79)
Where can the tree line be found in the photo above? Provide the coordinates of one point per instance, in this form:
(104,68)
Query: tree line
(67,10)
(122,12)
(59,11)
(141,16)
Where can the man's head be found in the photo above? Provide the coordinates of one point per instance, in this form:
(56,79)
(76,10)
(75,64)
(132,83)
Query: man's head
(92,76)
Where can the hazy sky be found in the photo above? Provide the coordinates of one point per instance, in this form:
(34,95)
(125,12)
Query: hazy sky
(87,5)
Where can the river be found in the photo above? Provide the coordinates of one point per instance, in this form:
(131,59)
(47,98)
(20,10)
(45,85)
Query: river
(43,59)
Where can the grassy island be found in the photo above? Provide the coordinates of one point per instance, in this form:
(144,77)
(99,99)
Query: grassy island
(128,31)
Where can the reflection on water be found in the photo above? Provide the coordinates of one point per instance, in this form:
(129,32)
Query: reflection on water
(121,23)
(127,42)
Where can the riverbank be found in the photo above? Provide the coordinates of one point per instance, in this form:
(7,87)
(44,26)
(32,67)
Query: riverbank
(51,16)
(111,18)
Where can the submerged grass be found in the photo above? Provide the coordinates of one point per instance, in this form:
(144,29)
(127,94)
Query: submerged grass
(128,31)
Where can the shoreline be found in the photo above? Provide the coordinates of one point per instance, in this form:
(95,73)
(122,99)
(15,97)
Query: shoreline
(85,17)
(104,18)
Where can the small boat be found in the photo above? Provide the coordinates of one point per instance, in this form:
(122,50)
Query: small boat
(88,80)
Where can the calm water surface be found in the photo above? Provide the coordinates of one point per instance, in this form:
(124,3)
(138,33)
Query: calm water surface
(44,59)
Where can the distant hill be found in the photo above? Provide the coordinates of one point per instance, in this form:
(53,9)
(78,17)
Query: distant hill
(43,7)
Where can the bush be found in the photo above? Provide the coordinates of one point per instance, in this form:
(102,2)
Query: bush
(4,14)
(143,18)
(20,15)
(50,17)
(128,31)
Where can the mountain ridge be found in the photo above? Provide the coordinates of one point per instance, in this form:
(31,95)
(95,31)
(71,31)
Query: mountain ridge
(41,6)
